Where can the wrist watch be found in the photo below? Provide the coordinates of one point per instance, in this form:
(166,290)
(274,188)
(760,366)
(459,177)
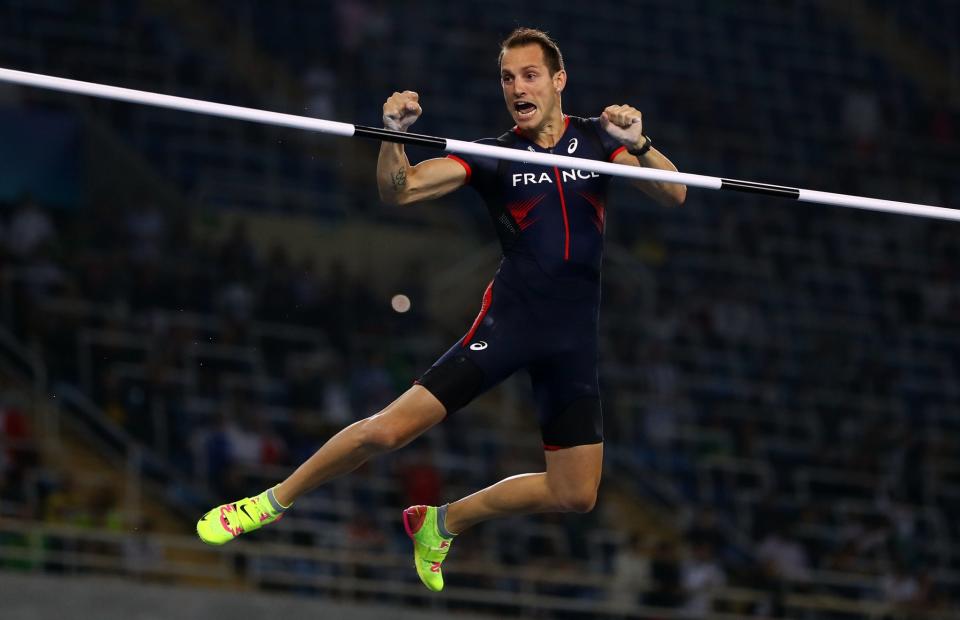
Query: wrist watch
(643,149)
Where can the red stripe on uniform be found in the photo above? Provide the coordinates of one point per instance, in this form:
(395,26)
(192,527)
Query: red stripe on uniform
(549,448)
(566,221)
(598,209)
(617,152)
(465,165)
(484,307)
(520,210)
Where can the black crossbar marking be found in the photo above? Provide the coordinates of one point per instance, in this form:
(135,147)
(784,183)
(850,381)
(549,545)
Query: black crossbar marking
(760,188)
(401,137)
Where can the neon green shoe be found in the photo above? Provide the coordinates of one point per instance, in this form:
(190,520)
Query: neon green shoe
(429,547)
(226,522)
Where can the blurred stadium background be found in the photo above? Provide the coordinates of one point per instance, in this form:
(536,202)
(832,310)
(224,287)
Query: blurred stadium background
(179,292)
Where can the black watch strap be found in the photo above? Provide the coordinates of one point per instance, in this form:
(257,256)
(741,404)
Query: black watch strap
(643,149)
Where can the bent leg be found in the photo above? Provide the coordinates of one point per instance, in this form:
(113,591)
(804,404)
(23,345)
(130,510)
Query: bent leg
(402,421)
(569,485)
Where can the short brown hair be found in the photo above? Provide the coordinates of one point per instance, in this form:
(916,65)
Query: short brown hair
(530,36)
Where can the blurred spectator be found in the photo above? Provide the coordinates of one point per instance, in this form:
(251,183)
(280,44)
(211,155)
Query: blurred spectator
(19,449)
(272,449)
(41,277)
(702,576)
(276,294)
(238,255)
(942,125)
(941,298)
(782,557)
(213,453)
(30,230)
(103,507)
(64,504)
(661,372)
(246,449)
(631,573)
(19,456)
(336,399)
(146,229)
(361,22)
(900,587)
(236,301)
(705,529)
(305,381)
(320,84)
(734,321)
(421,480)
(665,576)
(364,535)
(308,294)
(862,117)
(370,386)
(142,553)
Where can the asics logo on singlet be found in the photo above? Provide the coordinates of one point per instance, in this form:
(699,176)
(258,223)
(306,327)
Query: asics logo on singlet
(572,146)
(532,178)
(478,346)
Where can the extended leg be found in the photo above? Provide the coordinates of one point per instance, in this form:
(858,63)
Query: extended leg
(569,485)
(405,419)
(397,425)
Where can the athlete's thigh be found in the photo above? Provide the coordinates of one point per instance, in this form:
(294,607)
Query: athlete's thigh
(495,346)
(412,413)
(577,466)
(567,393)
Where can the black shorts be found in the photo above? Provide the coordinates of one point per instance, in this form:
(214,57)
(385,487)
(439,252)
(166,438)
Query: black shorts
(556,340)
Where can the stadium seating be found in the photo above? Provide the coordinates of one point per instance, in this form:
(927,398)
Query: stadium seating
(788,370)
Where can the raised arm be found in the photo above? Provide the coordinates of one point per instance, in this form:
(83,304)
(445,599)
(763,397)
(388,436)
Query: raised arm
(399,182)
(625,123)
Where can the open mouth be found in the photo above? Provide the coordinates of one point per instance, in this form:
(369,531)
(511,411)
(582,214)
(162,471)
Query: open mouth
(524,109)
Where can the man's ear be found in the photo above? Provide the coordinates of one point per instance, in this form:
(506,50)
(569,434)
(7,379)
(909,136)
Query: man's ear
(560,80)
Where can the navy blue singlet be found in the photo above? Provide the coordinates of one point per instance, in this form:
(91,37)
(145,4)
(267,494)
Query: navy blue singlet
(541,310)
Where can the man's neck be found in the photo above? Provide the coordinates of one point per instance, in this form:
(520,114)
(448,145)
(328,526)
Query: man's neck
(547,135)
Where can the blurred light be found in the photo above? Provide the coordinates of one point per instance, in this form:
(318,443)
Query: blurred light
(400,303)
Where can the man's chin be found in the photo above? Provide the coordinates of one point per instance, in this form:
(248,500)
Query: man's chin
(529,122)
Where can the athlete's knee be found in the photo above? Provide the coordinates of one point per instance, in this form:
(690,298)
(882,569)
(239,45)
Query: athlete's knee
(378,434)
(399,424)
(579,497)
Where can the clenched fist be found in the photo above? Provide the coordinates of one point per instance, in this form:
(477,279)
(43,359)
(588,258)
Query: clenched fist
(401,110)
(625,123)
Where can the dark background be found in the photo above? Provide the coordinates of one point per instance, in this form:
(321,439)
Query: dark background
(200,302)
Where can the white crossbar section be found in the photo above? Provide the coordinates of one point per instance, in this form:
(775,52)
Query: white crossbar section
(470,148)
(577,163)
(876,204)
(175,103)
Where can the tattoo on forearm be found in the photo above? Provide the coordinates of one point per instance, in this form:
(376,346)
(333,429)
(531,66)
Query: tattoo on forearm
(399,179)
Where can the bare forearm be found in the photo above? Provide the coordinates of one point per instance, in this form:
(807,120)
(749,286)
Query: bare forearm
(393,168)
(625,123)
(668,194)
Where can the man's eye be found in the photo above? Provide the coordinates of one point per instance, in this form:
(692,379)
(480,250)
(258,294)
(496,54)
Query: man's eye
(531,76)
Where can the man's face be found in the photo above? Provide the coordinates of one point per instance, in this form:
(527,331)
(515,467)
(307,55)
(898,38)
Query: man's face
(529,90)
